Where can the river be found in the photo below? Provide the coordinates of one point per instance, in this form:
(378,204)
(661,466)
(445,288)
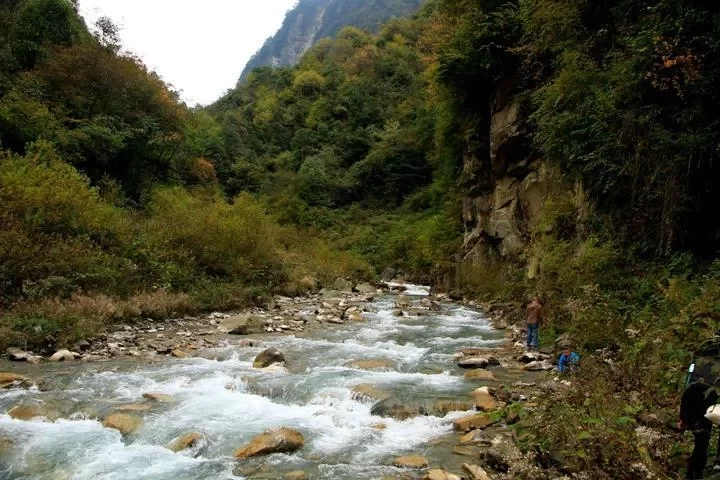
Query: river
(219,394)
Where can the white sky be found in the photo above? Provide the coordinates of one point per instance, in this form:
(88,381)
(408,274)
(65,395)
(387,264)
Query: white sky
(199,47)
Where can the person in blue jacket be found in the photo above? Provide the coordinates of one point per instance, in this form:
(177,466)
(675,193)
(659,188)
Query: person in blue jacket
(568,361)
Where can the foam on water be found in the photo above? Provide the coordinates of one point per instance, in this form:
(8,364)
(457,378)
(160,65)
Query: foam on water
(223,397)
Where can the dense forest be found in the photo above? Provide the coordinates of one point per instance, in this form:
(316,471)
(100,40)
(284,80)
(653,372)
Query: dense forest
(117,201)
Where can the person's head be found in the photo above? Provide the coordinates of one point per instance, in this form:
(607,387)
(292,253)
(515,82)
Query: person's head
(535,299)
(566,350)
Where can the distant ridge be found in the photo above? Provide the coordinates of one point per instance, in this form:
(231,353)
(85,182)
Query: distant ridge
(312,20)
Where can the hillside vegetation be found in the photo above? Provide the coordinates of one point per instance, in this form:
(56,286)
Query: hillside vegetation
(116,201)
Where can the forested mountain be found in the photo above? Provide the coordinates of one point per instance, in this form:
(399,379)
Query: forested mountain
(311,20)
(497,149)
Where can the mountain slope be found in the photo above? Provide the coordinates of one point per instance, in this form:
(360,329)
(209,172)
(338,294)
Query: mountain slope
(312,20)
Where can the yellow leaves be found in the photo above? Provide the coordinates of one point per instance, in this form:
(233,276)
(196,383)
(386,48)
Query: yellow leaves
(309,82)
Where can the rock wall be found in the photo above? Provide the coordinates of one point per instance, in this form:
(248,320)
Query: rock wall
(505,190)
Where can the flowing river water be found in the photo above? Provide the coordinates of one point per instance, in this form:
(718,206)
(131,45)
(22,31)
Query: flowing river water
(219,394)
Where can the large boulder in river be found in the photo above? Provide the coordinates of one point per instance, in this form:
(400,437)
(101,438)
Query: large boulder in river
(365,392)
(403,301)
(268,357)
(243,325)
(14,380)
(373,365)
(17,355)
(28,412)
(483,400)
(280,440)
(473,362)
(64,355)
(471,422)
(410,461)
(194,440)
(123,422)
(398,409)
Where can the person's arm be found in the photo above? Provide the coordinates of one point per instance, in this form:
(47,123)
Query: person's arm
(561,364)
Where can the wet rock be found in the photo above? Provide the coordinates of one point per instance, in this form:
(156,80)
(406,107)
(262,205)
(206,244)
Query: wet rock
(467,451)
(411,461)
(472,422)
(64,355)
(443,407)
(191,440)
(177,353)
(243,325)
(123,422)
(529,357)
(476,437)
(397,313)
(82,346)
(479,374)
(437,474)
(134,407)
(483,400)
(402,301)
(330,294)
(538,366)
(355,317)
(475,472)
(296,475)
(275,368)
(397,409)
(28,412)
(375,365)
(159,397)
(14,380)
(281,440)
(365,288)
(473,362)
(378,426)
(17,355)
(364,392)
(267,357)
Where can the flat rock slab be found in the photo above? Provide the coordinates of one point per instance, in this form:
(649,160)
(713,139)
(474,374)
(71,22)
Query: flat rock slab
(473,362)
(15,380)
(380,364)
(159,397)
(479,374)
(365,391)
(281,440)
(411,461)
(471,422)
(123,422)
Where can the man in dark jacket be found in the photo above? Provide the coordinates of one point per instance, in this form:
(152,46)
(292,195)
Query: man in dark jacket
(696,399)
(700,394)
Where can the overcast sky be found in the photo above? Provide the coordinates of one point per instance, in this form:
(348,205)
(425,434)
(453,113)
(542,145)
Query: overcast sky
(199,47)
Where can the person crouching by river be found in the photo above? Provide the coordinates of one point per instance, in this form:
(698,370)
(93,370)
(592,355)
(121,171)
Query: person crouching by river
(534,321)
(568,361)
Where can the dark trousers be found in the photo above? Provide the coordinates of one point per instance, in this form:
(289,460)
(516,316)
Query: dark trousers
(532,336)
(696,463)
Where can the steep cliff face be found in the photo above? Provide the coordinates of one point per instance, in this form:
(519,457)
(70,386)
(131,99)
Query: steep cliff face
(505,190)
(312,20)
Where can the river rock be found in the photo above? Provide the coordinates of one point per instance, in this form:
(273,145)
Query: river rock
(398,409)
(365,391)
(483,400)
(192,440)
(64,355)
(134,407)
(365,289)
(267,357)
(442,407)
(123,422)
(243,325)
(14,380)
(475,472)
(473,362)
(538,366)
(329,294)
(28,412)
(437,474)
(159,397)
(17,355)
(411,461)
(479,374)
(177,353)
(471,422)
(476,437)
(355,317)
(343,285)
(378,364)
(403,301)
(279,440)
(296,475)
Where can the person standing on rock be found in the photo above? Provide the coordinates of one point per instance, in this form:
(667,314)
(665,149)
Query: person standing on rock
(534,320)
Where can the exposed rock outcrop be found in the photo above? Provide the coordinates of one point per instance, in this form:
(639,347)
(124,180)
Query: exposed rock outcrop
(280,440)
(268,357)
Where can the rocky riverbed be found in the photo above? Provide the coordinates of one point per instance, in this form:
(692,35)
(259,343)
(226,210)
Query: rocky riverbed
(344,384)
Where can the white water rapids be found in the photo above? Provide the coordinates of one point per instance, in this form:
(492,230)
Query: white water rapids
(220,395)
